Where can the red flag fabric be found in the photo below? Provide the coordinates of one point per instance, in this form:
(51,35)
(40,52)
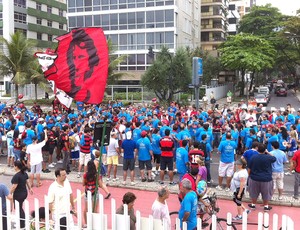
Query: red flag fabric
(81,66)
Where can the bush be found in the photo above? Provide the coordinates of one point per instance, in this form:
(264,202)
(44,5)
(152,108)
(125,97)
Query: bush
(137,96)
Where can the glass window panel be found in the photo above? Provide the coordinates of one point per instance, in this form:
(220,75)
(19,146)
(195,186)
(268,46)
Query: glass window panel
(96,2)
(140,59)
(141,38)
(169,37)
(97,20)
(123,18)
(169,15)
(72,21)
(131,59)
(132,41)
(71,3)
(131,5)
(131,1)
(88,2)
(160,25)
(123,41)
(159,16)
(122,1)
(131,18)
(105,2)
(159,3)
(123,68)
(79,21)
(113,19)
(159,37)
(114,2)
(79,3)
(88,20)
(96,8)
(148,4)
(114,39)
(131,68)
(140,68)
(169,3)
(105,20)
(150,16)
(150,39)
(79,9)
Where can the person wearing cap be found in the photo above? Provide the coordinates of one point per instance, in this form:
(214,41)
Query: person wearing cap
(35,158)
(28,134)
(237,186)
(113,153)
(145,156)
(129,149)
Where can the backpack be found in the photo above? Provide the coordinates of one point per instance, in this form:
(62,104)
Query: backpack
(72,141)
(202,146)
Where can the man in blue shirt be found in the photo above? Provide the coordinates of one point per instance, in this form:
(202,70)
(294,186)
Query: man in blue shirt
(278,168)
(250,152)
(226,167)
(145,156)
(182,159)
(188,208)
(272,138)
(156,149)
(128,147)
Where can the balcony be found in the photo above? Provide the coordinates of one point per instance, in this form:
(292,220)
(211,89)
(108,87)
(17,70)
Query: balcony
(217,27)
(222,3)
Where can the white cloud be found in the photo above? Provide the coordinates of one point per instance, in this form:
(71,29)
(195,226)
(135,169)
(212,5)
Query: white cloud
(285,6)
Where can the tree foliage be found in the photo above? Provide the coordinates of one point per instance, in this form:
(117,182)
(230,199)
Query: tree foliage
(262,21)
(169,74)
(246,52)
(211,65)
(16,58)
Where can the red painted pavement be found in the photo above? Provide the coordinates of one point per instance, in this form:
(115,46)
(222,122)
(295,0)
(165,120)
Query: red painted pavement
(145,199)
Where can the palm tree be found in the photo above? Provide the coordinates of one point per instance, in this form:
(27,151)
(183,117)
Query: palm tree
(36,77)
(16,58)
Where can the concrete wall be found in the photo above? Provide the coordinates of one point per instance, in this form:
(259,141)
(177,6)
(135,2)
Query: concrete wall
(220,91)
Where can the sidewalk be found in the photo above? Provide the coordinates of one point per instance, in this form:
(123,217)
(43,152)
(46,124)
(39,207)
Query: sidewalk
(153,186)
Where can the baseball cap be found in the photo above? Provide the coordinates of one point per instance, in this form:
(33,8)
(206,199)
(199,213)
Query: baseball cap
(144,133)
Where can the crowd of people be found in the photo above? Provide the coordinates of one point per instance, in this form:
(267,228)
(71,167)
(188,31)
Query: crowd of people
(254,144)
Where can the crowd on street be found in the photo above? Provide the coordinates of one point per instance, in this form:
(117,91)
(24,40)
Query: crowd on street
(253,144)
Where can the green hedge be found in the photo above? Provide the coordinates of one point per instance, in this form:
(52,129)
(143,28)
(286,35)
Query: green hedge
(131,96)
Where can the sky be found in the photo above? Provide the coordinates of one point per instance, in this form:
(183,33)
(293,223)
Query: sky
(288,7)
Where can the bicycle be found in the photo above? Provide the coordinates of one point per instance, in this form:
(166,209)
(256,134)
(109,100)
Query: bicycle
(211,210)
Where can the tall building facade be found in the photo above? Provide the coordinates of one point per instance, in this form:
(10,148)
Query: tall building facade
(39,20)
(214,23)
(135,25)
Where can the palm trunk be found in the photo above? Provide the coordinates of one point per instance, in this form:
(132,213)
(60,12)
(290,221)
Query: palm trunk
(17,92)
(35,91)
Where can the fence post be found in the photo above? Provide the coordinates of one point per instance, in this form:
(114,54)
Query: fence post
(151,222)
(266,221)
(290,224)
(260,221)
(275,222)
(113,214)
(126,92)
(229,221)
(79,211)
(89,221)
(199,223)
(47,215)
(101,211)
(37,214)
(177,223)
(214,222)
(245,220)
(138,220)
(112,92)
(27,216)
(17,214)
(1,213)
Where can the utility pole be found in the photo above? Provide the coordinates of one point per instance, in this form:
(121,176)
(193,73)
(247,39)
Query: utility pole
(197,77)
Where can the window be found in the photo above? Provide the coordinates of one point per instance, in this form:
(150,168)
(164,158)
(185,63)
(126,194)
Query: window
(232,20)
(38,6)
(38,36)
(39,21)
(1,16)
(61,26)
(20,17)
(49,23)
(20,3)
(50,37)
(204,9)
(205,22)
(231,7)
(60,13)
(49,9)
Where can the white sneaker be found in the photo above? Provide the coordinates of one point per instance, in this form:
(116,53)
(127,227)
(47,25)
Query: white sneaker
(219,188)
(156,173)
(227,189)
(115,179)
(287,174)
(60,161)
(51,165)
(107,179)
(124,183)
(132,183)
(78,175)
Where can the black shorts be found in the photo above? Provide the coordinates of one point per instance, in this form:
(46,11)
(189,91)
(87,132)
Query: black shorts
(237,200)
(128,164)
(147,163)
(166,162)
(156,158)
(51,149)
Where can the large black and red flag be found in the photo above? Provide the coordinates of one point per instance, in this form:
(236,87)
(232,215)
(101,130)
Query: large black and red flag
(79,66)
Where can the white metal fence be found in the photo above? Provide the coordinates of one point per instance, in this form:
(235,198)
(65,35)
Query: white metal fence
(99,220)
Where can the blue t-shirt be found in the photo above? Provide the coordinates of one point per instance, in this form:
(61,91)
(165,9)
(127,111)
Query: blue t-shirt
(260,167)
(155,144)
(226,148)
(129,146)
(136,134)
(30,134)
(281,158)
(189,204)
(248,154)
(182,157)
(270,140)
(144,147)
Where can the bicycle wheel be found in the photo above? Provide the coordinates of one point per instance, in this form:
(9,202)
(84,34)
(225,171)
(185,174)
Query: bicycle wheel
(222,224)
(173,216)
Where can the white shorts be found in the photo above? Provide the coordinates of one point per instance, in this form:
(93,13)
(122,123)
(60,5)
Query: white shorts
(10,151)
(36,168)
(226,169)
(84,158)
(277,180)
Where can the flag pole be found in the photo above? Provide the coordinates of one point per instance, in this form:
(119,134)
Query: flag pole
(100,165)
